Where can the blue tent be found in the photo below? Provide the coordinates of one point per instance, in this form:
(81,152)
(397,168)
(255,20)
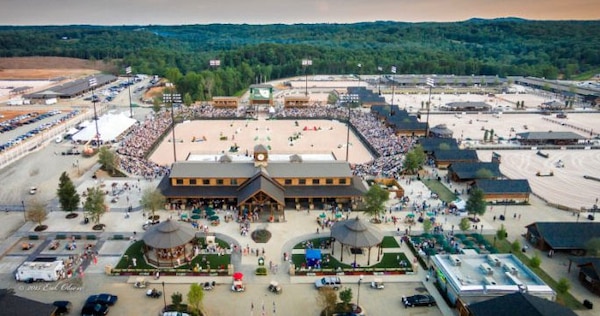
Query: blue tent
(313,257)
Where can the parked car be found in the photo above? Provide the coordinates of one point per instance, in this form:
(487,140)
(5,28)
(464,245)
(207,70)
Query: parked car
(33,190)
(62,307)
(94,309)
(103,299)
(418,300)
(332,282)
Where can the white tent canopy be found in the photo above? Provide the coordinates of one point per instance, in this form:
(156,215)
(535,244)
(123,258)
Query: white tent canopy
(110,126)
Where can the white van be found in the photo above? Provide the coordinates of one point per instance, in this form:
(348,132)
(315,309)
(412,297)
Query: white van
(58,139)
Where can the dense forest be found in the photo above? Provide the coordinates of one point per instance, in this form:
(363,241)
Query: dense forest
(253,53)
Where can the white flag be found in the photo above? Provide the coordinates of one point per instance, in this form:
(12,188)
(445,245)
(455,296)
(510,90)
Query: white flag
(393,69)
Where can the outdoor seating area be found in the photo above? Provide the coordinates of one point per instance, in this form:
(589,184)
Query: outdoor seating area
(433,244)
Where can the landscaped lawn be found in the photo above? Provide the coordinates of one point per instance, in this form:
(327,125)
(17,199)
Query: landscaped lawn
(389,242)
(441,190)
(136,251)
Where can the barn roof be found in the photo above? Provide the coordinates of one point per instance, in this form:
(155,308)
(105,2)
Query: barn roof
(550,135)
(565,235)
(490,186)
(469,170)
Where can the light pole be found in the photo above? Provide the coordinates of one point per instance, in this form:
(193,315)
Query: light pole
(172,98)
(305,64)
(164,296)
(92,83)
(379,69)
(360,278)
(359,71)
(393,86)
(348,99)
(24,212)
(430,83)
(129,83)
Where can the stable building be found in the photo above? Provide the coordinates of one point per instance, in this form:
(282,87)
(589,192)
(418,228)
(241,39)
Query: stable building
(471,171)
(562,236)
(444,158)
(262,184)
(503,190)
(549,138)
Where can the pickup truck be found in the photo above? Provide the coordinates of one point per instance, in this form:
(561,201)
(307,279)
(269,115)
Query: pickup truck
(332,282)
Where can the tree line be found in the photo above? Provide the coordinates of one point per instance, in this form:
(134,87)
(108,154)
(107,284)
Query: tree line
(257,53)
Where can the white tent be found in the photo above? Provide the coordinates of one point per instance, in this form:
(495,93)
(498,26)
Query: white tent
(110,126)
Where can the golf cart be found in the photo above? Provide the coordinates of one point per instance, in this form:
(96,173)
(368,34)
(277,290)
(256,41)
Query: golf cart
(238,283)
(238,286)
(153,293)
(275,287)
(377,283)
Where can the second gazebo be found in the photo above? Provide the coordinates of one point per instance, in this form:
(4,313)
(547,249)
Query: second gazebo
(357,234)
(168,244)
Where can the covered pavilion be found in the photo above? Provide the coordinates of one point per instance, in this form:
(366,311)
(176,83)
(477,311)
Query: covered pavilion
(168,244)
(356,234)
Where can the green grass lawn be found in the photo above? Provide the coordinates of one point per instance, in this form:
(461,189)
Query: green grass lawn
(441,190)
(136,251)
(389,242)
(565,299)
(388,260)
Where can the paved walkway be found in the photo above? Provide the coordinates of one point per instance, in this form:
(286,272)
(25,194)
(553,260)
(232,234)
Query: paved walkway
(300,226)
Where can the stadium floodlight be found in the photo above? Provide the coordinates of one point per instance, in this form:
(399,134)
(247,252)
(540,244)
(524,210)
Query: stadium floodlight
(172,98)
(92,82)
(129,83)
(305,64)
(431,83)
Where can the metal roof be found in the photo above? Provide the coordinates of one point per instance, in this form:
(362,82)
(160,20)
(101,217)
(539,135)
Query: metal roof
(503,186)
(565,235)
(549,135)
(305,169)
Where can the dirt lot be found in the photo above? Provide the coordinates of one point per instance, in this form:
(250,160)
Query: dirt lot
(48,67)
(10,114)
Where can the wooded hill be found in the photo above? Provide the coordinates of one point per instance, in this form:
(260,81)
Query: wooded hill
(550,49)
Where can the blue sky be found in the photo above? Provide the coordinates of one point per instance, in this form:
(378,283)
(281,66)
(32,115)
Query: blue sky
(174,12)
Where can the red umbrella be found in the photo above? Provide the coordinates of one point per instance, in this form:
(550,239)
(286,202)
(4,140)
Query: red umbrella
(238,276)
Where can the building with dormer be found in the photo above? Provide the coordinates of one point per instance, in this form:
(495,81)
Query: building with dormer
(263,183)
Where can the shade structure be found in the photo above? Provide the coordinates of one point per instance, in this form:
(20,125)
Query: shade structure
(356,233)
(168,234)
(195,216)
(322,215)
(214,218)
(196,211)
(210,212)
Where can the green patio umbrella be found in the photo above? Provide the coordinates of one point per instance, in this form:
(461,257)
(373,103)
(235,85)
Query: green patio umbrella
(196,211)
(322,215)
(210,212)
(195,216)
(214,218)
(411,215)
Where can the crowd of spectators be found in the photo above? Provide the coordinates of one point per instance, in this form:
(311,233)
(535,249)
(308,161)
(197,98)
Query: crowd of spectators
(134,147)
(390,148)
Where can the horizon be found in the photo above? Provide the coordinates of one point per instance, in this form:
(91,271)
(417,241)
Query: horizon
(287,12)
